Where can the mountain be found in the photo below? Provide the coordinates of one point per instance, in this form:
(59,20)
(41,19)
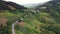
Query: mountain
(52,8)
(46,21)
(49,4)
(10,6)
(16,5)
(32,5)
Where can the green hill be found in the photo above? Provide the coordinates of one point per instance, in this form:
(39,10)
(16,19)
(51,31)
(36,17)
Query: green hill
(47,21)
(52,9)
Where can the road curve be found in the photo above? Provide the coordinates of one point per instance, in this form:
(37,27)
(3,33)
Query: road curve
(13,30)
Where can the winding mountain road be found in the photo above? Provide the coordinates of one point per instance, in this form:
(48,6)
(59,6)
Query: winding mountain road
(13,30)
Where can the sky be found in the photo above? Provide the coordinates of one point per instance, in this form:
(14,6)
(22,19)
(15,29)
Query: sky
(28,1)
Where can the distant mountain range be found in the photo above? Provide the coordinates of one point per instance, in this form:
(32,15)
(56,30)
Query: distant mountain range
(33,5)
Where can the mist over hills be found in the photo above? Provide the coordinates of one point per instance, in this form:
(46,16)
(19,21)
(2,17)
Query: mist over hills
(32,5)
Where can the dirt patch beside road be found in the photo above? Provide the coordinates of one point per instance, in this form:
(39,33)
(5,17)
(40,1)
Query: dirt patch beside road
(21,23)
(3,21)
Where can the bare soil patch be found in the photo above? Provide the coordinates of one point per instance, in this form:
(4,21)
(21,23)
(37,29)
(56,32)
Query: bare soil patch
(3,21)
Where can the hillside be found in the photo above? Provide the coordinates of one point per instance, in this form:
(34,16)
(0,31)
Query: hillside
(10,6)
(47,21)
(52,8)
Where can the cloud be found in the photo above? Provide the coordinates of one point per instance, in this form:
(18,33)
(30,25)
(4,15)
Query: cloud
(28,1)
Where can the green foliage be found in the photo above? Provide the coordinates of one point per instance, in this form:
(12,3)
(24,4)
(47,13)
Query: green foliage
(47,21)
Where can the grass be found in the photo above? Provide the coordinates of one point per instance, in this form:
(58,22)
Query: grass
(33,23)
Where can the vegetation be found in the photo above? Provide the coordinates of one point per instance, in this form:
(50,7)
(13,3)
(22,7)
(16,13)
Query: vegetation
(47,21)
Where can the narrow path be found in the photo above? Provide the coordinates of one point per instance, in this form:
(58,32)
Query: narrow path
(13,30)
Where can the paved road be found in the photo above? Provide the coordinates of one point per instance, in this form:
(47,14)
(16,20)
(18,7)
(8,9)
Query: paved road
(13,30)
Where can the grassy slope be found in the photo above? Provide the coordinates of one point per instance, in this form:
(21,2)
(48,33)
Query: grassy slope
(37,23)
(11,18)
(53,18)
